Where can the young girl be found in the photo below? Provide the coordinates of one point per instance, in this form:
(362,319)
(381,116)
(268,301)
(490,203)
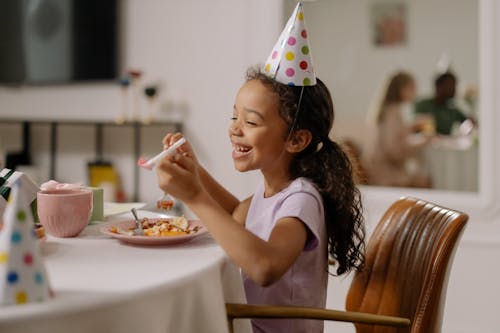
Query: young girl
(306,207)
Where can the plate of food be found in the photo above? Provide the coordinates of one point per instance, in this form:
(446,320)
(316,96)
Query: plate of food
(157,230)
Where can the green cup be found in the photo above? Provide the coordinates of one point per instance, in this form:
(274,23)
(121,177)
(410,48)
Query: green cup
(97,203)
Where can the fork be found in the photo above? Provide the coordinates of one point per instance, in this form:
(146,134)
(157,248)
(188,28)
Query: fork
(138,230)
(166,202)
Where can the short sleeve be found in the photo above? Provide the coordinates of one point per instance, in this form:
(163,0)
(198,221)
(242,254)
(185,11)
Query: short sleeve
(306,207)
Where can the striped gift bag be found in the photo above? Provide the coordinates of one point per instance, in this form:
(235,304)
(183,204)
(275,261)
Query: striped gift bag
(29,189)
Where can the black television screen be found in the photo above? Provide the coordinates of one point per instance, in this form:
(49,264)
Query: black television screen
(58,41)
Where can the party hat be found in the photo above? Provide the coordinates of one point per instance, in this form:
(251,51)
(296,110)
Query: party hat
(290,62)
(444,64)
(23,277)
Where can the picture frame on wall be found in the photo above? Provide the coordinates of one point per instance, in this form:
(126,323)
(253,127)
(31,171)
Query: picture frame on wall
(389,23)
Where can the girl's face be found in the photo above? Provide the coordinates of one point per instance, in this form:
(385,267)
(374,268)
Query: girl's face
(257,131)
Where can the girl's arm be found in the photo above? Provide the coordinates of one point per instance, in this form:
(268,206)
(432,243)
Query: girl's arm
(241,211)
(263,261)
(227,200)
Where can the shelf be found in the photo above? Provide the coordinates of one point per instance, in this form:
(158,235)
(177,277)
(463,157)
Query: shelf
(99,125)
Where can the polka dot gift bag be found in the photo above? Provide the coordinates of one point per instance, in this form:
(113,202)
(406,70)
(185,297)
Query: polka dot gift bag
(290,61)
(23,277)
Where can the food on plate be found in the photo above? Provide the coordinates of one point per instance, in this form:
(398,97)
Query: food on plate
(174,226)
(160,227)
(39,231)
(114,229)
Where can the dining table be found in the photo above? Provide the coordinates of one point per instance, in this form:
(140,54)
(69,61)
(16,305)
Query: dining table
(453,163)
(101,284)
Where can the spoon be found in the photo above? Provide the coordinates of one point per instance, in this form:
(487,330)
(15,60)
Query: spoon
(138,230)
(150,164)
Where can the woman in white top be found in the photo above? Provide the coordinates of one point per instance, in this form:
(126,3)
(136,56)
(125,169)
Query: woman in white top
(392,160)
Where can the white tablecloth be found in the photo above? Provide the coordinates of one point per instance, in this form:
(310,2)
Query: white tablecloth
(102,285)
(453,164)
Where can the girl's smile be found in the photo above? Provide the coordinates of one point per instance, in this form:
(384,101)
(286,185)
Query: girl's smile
(240,151)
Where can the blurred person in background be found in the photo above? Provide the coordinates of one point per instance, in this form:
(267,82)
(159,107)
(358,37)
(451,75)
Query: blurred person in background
(441,107)
(393,158)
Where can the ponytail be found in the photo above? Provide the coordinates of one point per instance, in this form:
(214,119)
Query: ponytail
(329,168)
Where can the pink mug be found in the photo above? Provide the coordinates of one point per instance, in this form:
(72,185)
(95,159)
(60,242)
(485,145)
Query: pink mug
(64,213)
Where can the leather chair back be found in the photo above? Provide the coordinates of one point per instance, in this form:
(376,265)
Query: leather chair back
(408,259)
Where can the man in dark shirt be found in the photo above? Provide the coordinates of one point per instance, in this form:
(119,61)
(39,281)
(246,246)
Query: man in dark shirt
(441,106)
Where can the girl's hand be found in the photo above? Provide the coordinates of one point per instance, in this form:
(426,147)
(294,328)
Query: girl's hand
(186,148)
(178,176)
(196,177)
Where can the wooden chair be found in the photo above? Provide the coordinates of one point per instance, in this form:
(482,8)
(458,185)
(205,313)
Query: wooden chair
(408,259)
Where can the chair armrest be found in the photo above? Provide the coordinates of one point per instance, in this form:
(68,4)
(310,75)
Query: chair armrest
(264,311)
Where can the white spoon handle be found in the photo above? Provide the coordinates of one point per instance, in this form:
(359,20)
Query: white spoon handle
(152,161)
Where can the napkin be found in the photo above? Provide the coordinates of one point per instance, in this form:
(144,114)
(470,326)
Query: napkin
(23,277)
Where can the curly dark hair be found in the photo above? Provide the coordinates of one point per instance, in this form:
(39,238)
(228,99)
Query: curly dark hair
(329,168)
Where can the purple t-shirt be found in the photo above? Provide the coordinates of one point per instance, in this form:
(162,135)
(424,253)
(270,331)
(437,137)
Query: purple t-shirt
(305,283)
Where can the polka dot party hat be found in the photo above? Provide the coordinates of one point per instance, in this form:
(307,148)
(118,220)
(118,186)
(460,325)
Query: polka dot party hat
(290,61)
(444,64)
(23,277)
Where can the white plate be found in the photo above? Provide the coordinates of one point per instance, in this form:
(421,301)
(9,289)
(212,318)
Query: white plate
(150,240)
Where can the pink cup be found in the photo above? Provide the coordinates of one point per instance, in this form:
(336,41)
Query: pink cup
(64,213)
